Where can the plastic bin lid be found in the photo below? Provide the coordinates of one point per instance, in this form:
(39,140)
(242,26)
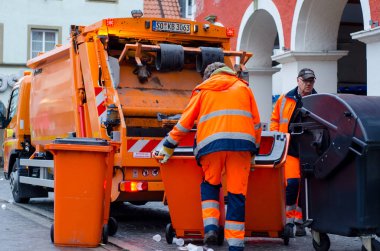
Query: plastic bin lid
(82,141)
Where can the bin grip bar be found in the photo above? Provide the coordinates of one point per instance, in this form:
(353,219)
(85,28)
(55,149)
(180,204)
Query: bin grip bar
(358,147)
(307,113)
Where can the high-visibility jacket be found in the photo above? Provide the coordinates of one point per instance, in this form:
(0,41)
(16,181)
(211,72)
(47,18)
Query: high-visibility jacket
(226,114)
(281,116)
(283,111)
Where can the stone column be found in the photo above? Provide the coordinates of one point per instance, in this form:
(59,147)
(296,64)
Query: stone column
(260,81)
(324,64)
(372,40)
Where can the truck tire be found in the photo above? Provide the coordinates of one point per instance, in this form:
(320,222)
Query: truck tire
(16,186)
(3,83)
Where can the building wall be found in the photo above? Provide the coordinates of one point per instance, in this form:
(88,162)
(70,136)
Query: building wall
(18,16)
(229,13)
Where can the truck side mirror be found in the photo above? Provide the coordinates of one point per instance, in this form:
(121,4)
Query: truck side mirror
(3,119)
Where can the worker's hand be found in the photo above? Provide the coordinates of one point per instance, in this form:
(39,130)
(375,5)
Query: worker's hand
(166,152)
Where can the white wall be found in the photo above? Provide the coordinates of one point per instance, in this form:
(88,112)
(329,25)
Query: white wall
(17,15)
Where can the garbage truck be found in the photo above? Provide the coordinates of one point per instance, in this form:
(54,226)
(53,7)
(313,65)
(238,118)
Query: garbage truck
(124,80)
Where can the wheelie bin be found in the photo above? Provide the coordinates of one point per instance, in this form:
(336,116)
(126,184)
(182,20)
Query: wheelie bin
(340,156)
(82,190)
(182,178)
(265,201)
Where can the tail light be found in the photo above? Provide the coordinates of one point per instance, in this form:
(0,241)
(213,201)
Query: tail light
(133,186)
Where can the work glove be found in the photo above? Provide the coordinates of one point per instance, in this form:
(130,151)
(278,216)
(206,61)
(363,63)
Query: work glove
(166,152)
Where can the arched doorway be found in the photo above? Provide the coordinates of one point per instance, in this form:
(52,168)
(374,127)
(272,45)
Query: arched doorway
(320,40)
(261,33)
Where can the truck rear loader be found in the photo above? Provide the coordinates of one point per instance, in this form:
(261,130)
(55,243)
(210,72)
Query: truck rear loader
(125,80)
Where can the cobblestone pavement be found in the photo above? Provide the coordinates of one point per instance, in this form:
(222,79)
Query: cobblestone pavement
(27,227)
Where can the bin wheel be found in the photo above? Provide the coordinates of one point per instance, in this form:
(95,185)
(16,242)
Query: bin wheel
(169,233)
(105,234)
(324,244)
(375,245)
(220,239)
(287,234)
(112,226)
(52,233)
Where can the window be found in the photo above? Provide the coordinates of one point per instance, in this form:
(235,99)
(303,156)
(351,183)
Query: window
(1,41)
(13,104)
(42,41)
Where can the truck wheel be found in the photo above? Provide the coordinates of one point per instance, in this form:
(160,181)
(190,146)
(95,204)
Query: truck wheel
(324,244)
(16,186)
(375,245)
(169,233)
(112,226)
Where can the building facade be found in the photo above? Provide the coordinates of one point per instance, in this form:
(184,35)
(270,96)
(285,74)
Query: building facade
(30,27)
(339,40)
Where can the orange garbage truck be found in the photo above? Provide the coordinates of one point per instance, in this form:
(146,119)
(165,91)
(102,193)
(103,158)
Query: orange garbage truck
(125,80)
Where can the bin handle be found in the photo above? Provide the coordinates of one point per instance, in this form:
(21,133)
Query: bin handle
(357,146)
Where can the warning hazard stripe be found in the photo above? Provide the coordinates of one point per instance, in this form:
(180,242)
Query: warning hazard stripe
(142,145)
(100,101)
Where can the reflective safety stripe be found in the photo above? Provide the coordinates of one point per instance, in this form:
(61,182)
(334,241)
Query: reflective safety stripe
(290,208)
(289,220)
(171,141)
(283,101)
(223,135)
(181,128)
(299,221)
(208,204)
(284,121)
(257,126)
(210,221)
(235,242)
(224,113)
(298,209)
(234,226)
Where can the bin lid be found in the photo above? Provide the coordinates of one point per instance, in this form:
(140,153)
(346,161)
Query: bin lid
(82,141)
(352,115)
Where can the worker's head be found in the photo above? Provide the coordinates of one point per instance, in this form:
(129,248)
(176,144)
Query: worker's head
(306,79)
(211,68)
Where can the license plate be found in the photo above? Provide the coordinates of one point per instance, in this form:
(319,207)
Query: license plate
(170,27)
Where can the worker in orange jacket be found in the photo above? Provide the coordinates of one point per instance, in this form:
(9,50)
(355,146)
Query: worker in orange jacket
(228,135)
(283,114)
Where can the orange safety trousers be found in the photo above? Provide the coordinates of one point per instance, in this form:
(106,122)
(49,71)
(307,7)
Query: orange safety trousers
(237,166)
(292,172)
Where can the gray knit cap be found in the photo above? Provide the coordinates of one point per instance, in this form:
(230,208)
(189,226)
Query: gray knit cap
(211,68)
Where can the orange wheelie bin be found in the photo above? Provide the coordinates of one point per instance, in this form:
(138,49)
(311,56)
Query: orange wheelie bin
(182,179)
(265,201)
(82,188)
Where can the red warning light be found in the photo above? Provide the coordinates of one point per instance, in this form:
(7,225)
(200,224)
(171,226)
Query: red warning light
(230,32)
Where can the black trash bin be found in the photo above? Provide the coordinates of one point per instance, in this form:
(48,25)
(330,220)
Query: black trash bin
(339,139)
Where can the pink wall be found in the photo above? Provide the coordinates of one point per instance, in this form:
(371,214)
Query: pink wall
(228,12)
(375,10)
(286,10)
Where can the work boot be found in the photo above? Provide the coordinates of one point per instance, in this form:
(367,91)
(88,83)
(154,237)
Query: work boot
(300,230)
(288,230)
(211,237)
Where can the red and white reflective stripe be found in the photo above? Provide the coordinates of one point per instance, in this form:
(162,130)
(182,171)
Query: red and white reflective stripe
(142,145)
(100,103)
